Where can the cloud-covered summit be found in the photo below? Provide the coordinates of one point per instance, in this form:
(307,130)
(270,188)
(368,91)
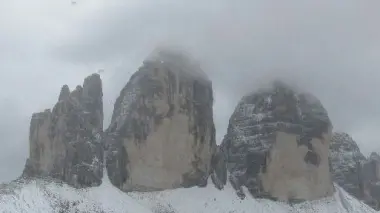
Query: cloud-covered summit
(329,48)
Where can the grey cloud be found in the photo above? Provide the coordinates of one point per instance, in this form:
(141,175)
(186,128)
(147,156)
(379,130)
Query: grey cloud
(11,127)
(329,48)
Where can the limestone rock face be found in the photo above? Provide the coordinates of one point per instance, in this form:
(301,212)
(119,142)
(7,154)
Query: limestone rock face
(370,181)
(356,174)
(219,168)
(162,133)
(66,142)
(346,163)
(277,145)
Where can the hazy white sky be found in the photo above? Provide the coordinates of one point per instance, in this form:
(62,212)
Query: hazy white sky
(330,48)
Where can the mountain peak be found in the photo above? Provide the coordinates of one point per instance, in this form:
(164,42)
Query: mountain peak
(65,143)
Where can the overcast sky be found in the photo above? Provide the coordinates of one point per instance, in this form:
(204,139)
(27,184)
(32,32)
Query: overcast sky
(330,48)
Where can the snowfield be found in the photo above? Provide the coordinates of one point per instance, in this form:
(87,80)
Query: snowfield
(40,196)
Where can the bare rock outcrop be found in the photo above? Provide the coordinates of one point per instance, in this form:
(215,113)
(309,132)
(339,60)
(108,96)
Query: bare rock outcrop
(219,168)
(370,181)
(66,142)
(346,163)
(356,174)
(277,145)
(162,133)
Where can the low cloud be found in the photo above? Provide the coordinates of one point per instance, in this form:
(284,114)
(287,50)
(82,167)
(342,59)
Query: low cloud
(329,48)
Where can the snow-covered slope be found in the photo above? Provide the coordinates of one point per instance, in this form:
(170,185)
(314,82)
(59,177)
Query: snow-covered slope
(41,196)
(209,199)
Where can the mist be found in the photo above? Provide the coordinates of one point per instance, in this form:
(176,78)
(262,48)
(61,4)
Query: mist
(328,48)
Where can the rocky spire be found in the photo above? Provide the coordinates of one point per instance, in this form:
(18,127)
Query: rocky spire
(66,142)
(346,160)
(355,173)
(64,94)
(162,133)
(277,145)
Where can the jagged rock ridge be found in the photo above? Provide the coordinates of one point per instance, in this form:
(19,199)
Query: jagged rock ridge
(346,160)
(370,176)
(355,173)
(66,142)
(277,145)
(162,133)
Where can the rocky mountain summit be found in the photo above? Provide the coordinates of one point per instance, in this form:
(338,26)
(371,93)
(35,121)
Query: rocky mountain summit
(66,142)
(277,145)
(355,173)
(279,142)
(162,133)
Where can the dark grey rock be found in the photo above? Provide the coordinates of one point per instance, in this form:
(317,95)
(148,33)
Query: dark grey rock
(162,133)
(219,169)
(346,160)
(253,129)
(65,93)
(355,173)
(370,181)
(66,142)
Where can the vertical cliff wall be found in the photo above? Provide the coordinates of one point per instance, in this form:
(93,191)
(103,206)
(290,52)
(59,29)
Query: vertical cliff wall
(66,142)
(277,145)
(162,133)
